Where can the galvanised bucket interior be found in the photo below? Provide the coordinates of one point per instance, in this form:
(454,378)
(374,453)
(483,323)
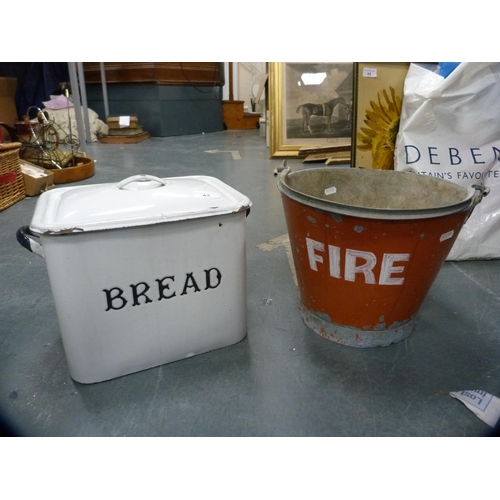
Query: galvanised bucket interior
(377,193)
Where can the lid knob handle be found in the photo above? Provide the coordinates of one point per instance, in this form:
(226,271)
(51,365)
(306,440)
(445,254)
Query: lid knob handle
(140,178)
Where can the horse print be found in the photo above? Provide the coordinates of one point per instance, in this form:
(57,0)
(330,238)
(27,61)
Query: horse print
(325,109)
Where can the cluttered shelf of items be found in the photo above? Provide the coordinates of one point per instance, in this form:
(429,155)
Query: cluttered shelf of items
(43,149)
(48,133)
(47,146)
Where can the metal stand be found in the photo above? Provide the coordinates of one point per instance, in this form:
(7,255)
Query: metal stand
(75,90)
(104,89)
(83,92)
(77,79)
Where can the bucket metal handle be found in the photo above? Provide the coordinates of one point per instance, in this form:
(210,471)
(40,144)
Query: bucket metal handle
(28,240)
(283,169)
(481,192)
(140,178)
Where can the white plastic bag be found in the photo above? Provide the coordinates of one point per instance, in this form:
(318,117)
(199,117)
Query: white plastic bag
(450,128)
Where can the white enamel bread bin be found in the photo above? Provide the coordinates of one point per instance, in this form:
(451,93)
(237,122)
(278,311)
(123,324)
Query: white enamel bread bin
(144,272)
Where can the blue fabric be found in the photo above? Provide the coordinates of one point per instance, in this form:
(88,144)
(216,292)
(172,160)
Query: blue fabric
(445,68)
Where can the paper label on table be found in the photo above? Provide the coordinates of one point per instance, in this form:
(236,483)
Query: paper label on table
(124,121)
(485,406)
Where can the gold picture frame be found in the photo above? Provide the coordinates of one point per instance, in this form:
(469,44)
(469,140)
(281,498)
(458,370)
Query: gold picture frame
(378,95)
(292,127)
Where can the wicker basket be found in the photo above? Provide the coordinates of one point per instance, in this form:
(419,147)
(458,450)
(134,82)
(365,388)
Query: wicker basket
(12,187)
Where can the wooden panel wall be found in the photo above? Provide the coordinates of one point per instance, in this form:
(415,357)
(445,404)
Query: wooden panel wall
(164,73)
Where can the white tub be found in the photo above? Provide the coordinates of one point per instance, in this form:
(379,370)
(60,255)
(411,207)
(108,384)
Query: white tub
(143,272)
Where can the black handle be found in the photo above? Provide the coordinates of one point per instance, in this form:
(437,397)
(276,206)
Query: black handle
(29,240)
(22,237)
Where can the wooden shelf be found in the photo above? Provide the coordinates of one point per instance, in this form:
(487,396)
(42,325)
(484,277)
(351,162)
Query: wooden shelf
(235,117)
(130,139)
(164,73)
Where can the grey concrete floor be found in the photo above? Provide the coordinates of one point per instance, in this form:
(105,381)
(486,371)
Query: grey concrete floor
(282,379)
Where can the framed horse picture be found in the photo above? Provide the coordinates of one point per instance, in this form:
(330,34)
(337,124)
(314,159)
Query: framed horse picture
(310,105)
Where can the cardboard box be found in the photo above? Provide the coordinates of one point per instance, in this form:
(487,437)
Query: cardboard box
(8,112)
(36,179)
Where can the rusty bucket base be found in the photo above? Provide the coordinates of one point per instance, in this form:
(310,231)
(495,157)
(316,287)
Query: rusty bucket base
(355,337)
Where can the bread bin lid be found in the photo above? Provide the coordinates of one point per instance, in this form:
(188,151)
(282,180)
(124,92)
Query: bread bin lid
(136,201)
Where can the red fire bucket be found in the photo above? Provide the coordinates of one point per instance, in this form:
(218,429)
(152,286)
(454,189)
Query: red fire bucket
(367,246)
